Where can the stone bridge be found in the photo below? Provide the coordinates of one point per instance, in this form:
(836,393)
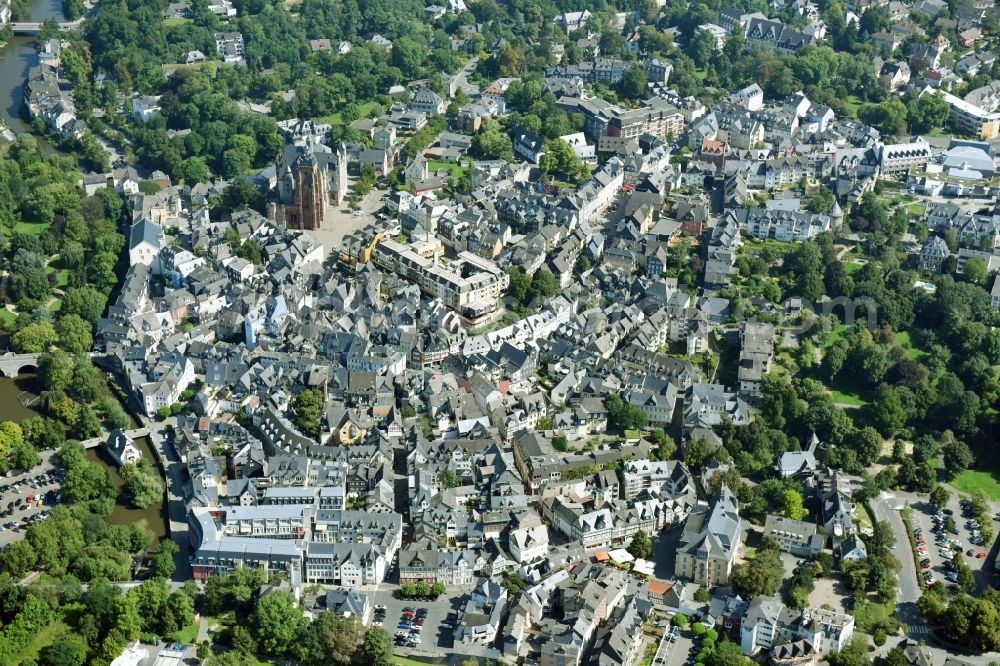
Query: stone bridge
(32,28)
(132,434)
(11,364)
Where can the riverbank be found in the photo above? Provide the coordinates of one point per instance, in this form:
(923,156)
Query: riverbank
(19,402)
(18,55)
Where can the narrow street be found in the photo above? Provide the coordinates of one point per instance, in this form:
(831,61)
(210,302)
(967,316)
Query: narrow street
(886,508)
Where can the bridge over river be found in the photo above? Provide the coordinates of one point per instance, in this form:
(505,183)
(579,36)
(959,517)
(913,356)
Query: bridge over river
(32,28)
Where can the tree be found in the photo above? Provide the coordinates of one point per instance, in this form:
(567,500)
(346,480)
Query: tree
(762,575)
(449,479)
(492,143)
(889,411)
(560,158)
(679,620)
(144,486)
(641,546)
(793,505)
(34,338)
(973,622)
(278,622)
(193,170)
(163,564)
(75,334)
(377,648)
(85,301)
(957,457)
(422,589)
(243,641)
(975,271)
(633,84)
(340,636)
(927,112)
(697,453)
(307,407)
(55,370)
(18,558)
(666,447)
(867,443)
(889,117)
(939,496)
(544,284)
(66,650)
(854,654)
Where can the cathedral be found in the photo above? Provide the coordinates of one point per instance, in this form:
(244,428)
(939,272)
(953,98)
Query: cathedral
(312,177)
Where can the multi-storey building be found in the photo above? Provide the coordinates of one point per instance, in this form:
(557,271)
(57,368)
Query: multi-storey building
(710,541)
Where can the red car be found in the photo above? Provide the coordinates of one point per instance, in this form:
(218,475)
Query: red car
(980,556)
(925,565)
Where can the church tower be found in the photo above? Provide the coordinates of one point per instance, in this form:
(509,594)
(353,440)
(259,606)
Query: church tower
(310,194)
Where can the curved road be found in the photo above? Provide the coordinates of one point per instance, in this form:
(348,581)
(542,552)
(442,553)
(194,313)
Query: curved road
(886,507)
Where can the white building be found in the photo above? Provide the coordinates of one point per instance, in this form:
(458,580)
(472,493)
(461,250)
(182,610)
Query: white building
(528,544)
(145,242)
(122,448)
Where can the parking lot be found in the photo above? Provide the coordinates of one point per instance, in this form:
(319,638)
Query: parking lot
(16,510)
(433,638)
(958,539)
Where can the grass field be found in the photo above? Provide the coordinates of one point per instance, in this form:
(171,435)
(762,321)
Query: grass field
(403,661)
(42,640)
(455,169)
(335,119)
(851,267)
(31,228)
(835,334)
(188,634)
(173,22)
(847,397)
(912,352)
(972,480)
(853,103)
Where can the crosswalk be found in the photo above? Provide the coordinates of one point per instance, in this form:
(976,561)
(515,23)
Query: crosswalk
(919,630)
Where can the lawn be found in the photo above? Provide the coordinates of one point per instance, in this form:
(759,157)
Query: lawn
(7,318)
(847,398)
(851,267)
(904,342)
(173,22)
(456,169)
(42,640)
(188,634)
(853,103)
(403,661)
(30,228)
(835,334)
(62,277)
(972,480)
(335,119)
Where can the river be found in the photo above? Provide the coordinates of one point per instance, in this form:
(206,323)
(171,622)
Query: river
(15,59)
(153,521)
